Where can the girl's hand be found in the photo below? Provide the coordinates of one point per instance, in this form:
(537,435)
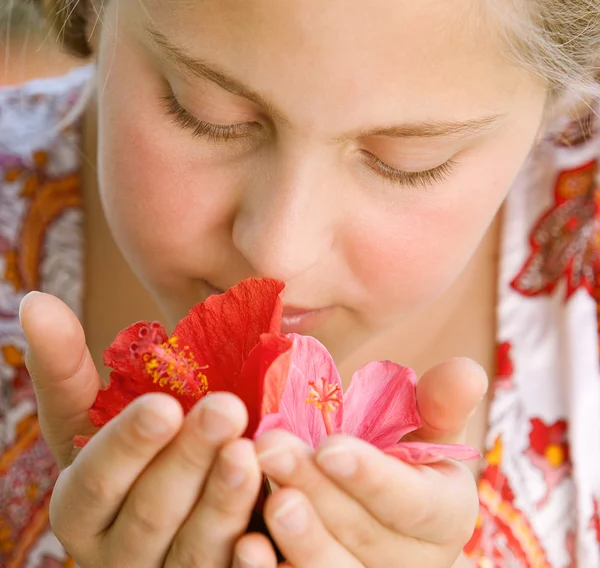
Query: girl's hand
(350,505)
(151,489)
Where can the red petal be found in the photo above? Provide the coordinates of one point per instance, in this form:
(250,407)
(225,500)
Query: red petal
(380,405)
(263,377)
(80,441)
(123,390)
(119,355)
(422,453)
(222,331)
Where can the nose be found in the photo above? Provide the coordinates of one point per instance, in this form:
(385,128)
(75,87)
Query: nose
(286,218)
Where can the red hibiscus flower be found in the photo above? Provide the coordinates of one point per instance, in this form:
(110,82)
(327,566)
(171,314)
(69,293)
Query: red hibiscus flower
(380,406)
(228,343)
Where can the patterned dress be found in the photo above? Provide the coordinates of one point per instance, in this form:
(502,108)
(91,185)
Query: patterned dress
(40,249)
(540,486)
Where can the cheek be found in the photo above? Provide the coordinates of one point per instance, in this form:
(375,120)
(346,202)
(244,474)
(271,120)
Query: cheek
(158,187)
(411,253)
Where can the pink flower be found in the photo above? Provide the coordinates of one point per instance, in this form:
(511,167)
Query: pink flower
(379,407)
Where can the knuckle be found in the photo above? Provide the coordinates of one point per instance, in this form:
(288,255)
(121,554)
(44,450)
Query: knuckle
(194,453)
(89,485)
(144,515)
(183,555)
(358,537)
(224,502)
(376,483)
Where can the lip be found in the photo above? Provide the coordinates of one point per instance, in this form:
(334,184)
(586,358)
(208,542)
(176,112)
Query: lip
(294,319)
(303,322)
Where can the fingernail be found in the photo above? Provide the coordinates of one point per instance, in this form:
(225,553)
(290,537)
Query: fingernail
(277,461)
(151,424)
(292,515)
(24,300)
(215,424)
(337,461)
(233,475)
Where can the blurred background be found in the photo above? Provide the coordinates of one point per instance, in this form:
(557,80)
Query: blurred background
(27,49)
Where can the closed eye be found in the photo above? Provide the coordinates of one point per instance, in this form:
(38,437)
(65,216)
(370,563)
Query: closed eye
(422,179)
(208,130)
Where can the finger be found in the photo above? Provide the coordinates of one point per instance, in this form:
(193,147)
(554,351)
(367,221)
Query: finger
(447,396)
(166,493)
(436,503)
(300,534)
(223,512)
(254,551)
(89,493)
(64,376)
(289,462)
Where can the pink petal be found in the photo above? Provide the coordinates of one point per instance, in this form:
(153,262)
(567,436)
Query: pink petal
(312,357)
(310,361)
(422,453)
(277,374)
(300,418)
(381,404)
(271,422)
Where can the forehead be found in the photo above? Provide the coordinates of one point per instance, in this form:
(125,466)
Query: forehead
(402,53)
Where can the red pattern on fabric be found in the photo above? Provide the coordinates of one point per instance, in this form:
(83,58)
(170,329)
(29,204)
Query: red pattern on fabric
(503,536)
(504,366)
(549,452)
(565,241)
(27,468)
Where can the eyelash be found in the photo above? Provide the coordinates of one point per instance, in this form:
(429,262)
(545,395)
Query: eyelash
(417,180)
(224,133)
(202,129)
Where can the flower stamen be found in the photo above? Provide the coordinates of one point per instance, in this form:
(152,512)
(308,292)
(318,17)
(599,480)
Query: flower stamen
(325,397)
(176,368)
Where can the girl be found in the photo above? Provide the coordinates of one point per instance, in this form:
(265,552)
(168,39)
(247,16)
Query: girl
(363,153)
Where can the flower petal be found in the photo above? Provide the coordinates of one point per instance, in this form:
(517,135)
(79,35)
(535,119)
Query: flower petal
(263,377)
(276,375)
(422,453)
(381,404)
(80,441)
(315,362)
(119,356)
(272,422)
(310,361)
(300,418)
(122,390)
(223,330)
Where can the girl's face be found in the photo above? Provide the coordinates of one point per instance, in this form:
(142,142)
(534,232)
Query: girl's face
(356,150)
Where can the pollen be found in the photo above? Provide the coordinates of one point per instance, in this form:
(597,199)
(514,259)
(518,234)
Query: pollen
(323,395)
(169,365)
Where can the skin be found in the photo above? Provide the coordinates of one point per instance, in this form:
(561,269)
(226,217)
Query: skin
(297,199)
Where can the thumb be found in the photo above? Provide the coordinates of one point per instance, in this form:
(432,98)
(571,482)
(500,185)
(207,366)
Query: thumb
(447,396)
(64,376)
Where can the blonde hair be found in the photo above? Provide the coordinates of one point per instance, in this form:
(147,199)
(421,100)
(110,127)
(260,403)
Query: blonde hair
(558,40)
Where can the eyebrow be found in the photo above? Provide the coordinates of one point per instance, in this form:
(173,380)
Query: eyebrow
(435,128)
(199,68)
